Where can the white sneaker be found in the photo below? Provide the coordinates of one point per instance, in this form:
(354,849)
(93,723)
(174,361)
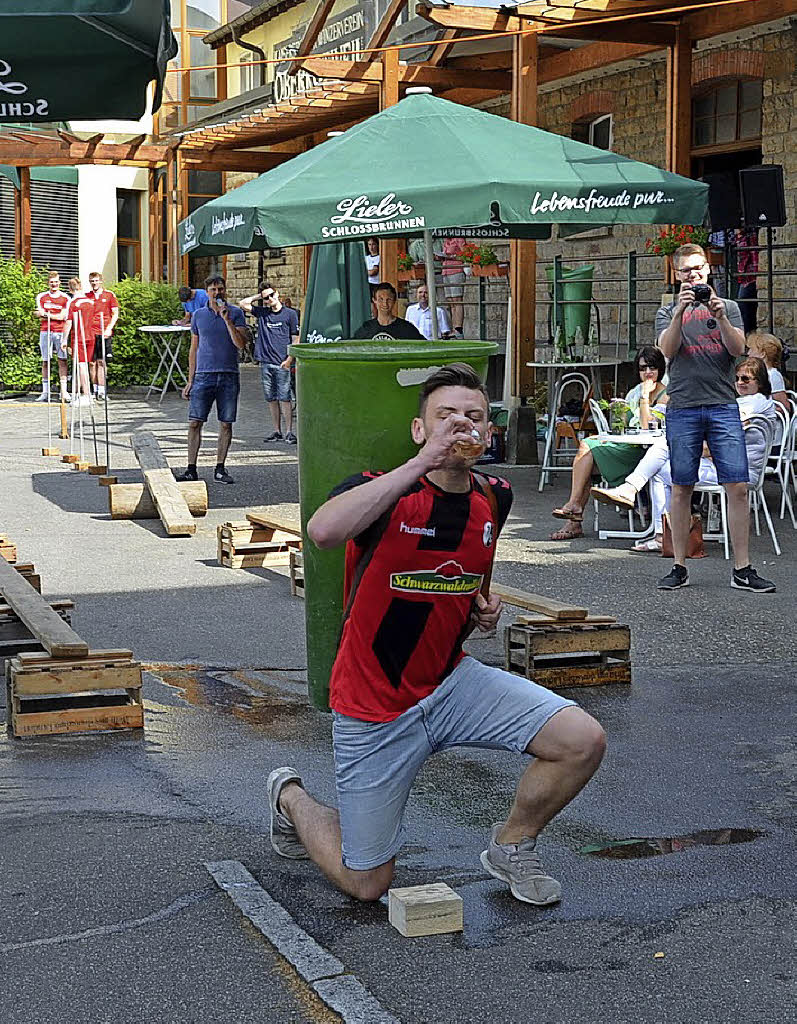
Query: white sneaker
(43,397)
(624,495)
(84,401)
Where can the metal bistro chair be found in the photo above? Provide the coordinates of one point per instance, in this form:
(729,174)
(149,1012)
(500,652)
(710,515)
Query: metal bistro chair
(553,455)
(755,492)
(777,465)
(602,424)
(788,478)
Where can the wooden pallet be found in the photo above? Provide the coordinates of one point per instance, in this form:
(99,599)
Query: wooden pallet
(8,551)
(560,656)
(99,692)
(244,546)
(28,570)
(296,569)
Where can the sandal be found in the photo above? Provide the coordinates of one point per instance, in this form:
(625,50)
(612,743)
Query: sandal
(645,547)
(568,533)
(566,513)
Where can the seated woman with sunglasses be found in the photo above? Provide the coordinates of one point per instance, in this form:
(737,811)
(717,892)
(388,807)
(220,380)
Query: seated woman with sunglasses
(614,459)
(754,391)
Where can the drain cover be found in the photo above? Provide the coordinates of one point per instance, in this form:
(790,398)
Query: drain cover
(627,849)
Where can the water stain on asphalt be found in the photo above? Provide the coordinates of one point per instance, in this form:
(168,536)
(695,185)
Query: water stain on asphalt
(629,849)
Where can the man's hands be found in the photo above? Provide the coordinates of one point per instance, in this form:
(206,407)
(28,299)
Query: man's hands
(444,436)
(686,296)
(717,307)
(286,364)
(486,612)
(186,390)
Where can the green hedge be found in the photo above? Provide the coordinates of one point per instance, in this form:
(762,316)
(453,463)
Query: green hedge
(134,359)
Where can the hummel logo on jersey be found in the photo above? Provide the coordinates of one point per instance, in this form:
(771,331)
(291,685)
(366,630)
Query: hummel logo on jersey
(419,531)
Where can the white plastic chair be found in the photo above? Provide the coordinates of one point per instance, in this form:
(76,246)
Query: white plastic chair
(598,417)
(777,464)
(788,473)
(755,494)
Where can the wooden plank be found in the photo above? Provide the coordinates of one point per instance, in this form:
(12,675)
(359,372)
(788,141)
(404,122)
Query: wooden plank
(147,450)
(45,624)
(311,34)
(69,680)
(559,641)
(47,723)
(482,19)
(8,552)
(432,909)
(102,657)
(258,549)
(279,517)
(538,603)
(170,503)
(254,561)
(12,629)
(679,103)
(589,58)
(538,619)
(564,677)
(715,21)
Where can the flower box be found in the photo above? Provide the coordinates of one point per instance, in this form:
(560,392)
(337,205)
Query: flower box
(417,272)
(491,270)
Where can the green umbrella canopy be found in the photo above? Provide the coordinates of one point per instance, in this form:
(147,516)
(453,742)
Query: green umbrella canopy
(82,60)
(429,163)
(338,294)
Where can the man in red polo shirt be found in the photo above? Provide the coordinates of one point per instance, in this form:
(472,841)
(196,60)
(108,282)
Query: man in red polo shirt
(106,313)
(79,326)
(51,310)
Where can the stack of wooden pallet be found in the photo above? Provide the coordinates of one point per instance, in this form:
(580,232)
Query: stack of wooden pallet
(560,645)
(265,540)
(54,683)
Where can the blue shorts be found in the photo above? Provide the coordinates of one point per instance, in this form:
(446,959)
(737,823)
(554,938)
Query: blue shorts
(276,382)
(207,388)
(51,341)
(376,762)
(720,426)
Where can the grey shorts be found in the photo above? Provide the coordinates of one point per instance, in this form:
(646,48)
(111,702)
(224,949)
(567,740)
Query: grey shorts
(454,285)
(52,342)
(376,762)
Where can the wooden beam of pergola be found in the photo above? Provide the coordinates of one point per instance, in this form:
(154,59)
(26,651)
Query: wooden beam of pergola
(589,58)
(54,152)
(483,19)
(386,23)
(311,34)
(234,160)
(409,74)
(593,10)
(441,52)
(644,32)
(703,24)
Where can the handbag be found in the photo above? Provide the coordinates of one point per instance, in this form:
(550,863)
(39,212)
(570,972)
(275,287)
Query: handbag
(694,545)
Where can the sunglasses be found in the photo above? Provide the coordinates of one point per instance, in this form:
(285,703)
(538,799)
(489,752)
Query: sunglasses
(644,366)
(743,378)
(269,296)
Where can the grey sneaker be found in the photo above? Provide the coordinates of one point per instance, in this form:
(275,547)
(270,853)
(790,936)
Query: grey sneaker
(519,866)
(284,837)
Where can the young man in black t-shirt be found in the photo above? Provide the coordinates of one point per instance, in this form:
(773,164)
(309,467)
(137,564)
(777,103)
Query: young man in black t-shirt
(277,328)
(386,325)
(420,547)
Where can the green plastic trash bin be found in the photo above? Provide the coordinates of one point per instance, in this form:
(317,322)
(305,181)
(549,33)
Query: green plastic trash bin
(576,296)
(355,402)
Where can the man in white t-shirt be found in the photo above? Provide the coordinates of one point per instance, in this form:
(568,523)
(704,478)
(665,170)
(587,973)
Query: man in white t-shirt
(420,314)
(51,310)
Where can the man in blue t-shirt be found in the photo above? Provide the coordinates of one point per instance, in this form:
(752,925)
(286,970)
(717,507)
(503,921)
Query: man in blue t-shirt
(218,333)
(192,299)
(277,327)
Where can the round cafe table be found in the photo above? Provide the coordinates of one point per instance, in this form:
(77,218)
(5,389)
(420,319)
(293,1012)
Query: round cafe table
(167,340)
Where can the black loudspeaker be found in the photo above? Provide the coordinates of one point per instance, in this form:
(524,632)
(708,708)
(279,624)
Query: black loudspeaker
(724,200)
(763,196)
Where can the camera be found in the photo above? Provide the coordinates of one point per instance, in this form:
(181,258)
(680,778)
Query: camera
(702,293)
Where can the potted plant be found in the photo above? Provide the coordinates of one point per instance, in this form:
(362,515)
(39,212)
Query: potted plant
(673,237)
(409,271)
(483,260)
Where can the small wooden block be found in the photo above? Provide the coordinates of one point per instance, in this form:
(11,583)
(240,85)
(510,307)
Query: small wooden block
(81,467)
(98,470)
(51,451)
(70,458)
(107,481)
(537,619)
(538,603)
(432,909)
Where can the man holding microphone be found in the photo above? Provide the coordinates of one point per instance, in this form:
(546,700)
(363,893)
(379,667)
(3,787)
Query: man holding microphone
(702,335)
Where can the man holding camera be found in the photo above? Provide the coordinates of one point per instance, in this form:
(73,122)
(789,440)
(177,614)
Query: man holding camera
(701,335)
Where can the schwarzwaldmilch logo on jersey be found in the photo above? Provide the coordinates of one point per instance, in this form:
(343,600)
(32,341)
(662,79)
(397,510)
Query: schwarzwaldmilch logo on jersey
(448,578)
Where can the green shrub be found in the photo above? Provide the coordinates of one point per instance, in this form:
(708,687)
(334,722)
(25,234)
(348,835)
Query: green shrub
(134,358)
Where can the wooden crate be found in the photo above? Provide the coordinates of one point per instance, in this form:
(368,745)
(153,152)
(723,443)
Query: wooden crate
(296,568)
(49,695)
(559,656)
(244,546)
(432,909)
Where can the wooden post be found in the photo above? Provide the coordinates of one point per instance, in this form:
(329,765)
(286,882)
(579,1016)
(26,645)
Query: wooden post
(679,102)
(523,265)
(172,242)
(182,211)
(389,97)
(22,219)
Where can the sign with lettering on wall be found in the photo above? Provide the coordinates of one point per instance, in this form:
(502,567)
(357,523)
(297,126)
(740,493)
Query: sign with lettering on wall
(343,33)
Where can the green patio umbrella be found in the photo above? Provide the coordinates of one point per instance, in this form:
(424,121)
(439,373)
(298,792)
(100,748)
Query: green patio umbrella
(82,60)
(338,294)
(428,163)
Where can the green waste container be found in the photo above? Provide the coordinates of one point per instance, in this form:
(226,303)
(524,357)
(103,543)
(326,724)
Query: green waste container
(576,296)
(355,402)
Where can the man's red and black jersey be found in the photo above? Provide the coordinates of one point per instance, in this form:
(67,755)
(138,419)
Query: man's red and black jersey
(411,580)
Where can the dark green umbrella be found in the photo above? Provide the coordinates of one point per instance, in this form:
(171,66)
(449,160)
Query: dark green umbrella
(338,294)
(82,60)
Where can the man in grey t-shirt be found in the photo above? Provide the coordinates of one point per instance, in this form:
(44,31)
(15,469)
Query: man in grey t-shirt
(702,340)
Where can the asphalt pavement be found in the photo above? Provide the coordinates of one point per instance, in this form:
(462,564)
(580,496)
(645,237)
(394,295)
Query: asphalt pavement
(108,911)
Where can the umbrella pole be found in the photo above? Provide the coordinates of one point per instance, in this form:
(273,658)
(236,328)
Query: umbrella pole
(430,283)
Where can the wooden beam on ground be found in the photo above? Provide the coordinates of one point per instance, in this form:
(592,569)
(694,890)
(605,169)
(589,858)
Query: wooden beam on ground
(679,103)
(311,34)
(169,501)
(57,638)
(483,19)
(589,58)
(715,21)
(523,258)
(385,26)
(409,74)
(539,603)
(133,501)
